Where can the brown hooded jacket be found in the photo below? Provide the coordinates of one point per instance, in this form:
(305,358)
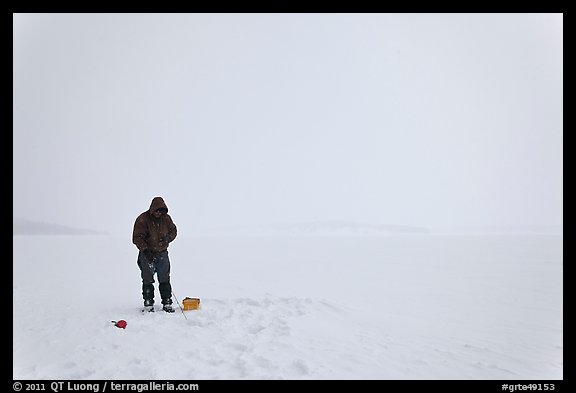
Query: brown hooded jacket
(151,233)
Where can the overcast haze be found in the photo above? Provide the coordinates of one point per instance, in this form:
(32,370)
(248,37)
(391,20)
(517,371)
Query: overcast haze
(432,120)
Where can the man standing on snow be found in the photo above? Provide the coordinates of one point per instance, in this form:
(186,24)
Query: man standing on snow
(153,231)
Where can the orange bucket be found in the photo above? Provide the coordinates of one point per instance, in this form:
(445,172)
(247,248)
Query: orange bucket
(191,303)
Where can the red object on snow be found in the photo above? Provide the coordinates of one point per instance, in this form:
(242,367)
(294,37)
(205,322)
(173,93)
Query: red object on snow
(120,324)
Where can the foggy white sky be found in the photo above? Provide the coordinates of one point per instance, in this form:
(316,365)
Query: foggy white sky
(433,120)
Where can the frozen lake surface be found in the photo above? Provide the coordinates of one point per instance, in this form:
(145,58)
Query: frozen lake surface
(411,306)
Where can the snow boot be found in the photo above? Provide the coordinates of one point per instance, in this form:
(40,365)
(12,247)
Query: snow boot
(166,294)
(149,305)
(167,305)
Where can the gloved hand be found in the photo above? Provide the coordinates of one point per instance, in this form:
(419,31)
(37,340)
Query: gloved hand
(164,241)
(148,255)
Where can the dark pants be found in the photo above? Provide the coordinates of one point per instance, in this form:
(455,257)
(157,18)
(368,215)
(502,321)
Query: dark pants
(160,265)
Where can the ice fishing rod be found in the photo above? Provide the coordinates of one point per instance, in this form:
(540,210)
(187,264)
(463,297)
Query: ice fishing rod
(175,297)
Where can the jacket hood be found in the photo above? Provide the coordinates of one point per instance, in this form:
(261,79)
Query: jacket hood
(157,203)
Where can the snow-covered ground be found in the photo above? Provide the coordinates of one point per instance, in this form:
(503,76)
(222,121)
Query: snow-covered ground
(405,306)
